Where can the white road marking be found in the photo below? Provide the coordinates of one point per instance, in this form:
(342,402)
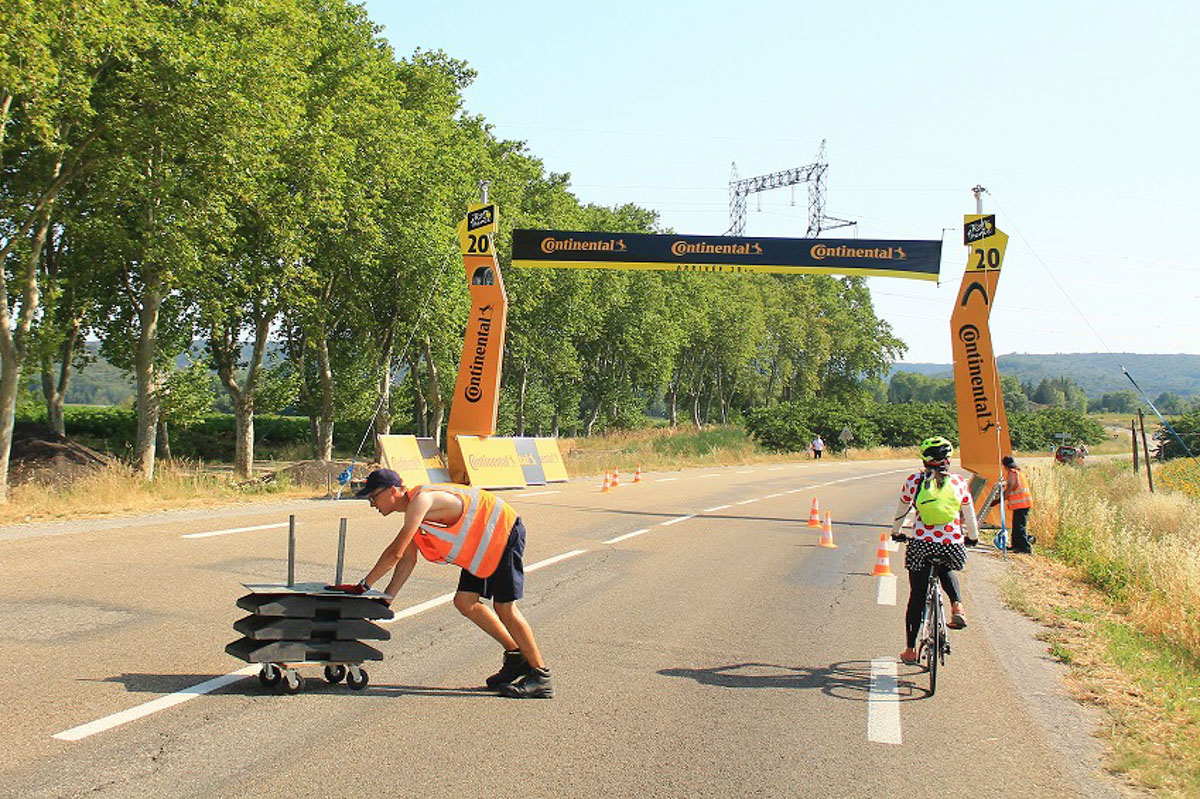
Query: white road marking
(666,479)
(772,496)
(706,476)
(776,468)
(216,683)
(536,493)
(746,501)
(745,471)
(719,507)
(235,530)
(162,703)
(883,703)
(677,520)
(627,536)
(885,594)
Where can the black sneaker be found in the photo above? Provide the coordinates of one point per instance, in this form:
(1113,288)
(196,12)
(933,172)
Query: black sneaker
(515,667)
(534,685)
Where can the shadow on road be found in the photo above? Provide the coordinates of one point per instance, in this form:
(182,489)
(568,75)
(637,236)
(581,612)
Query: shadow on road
(250,686)
(849,680)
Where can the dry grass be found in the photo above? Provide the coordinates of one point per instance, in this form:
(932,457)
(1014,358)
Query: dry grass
(116,490)
(1122,602)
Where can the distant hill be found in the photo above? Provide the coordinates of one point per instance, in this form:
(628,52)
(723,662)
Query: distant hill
(1096,372)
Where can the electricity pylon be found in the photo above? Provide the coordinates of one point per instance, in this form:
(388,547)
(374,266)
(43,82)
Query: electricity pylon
(813,175)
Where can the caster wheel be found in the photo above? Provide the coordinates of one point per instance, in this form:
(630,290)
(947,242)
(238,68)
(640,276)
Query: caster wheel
(335,673)
(293,682)
(270,675)
(356,678)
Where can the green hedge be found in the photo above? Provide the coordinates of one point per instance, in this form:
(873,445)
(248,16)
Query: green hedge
(790,426)
(114,429)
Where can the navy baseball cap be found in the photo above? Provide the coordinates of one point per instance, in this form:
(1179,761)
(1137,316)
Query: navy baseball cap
(378,479)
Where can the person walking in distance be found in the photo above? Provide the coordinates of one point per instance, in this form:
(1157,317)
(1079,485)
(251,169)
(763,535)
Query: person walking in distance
(944,526)
(482,534)
(818,446)
(1018,499)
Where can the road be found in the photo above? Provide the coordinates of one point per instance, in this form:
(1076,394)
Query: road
(701,645)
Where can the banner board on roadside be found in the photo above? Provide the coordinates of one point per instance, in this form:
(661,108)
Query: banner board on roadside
(553,467)
(402,454)
(491,462)
(531,461)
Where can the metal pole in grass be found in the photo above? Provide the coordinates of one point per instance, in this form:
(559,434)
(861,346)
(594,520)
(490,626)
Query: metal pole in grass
(1133,432)
(1146,450)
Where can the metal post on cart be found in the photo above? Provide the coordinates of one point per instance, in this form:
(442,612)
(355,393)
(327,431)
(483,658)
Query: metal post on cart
(341,550)
(291,551)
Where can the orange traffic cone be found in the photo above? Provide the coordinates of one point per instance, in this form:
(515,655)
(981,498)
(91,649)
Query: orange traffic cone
(616,478)
(883,567)
(827,533)
(607,486)
(814,516)
(637,475)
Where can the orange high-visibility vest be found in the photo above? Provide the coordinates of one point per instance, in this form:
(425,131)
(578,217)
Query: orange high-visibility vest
(477,539)
(1016,491)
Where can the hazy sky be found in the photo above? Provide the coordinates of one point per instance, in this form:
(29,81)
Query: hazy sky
(1080,119)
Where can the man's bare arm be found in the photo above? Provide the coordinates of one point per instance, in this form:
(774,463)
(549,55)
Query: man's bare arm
(394,551)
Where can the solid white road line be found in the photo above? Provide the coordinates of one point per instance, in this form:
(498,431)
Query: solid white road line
(627,536)
(216,683)
(162,703)
(885,594)
(235,530)
(883,703)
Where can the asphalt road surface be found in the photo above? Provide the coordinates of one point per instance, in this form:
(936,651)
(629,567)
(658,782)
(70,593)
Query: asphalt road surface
(701,644)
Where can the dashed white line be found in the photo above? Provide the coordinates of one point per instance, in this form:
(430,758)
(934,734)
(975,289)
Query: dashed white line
(235,530)
(746,501)
(772,496)
(706,476)
(677,520)
(536,493)
(666,479)
(885,593)
(745,471)
(883,703)
(776,468)
(718,507)
(627,536)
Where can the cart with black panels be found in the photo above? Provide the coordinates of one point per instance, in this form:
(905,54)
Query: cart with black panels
(299,624)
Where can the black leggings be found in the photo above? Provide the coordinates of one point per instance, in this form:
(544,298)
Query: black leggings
(918,584)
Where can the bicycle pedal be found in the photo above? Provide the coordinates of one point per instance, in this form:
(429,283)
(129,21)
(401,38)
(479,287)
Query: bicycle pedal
(946,649)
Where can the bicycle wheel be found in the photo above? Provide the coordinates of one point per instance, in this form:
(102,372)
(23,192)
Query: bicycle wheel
(933,644)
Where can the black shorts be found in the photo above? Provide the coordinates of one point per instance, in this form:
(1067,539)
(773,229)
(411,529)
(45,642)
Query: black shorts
(507,583)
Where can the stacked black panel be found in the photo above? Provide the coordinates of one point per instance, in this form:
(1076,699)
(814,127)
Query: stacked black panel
(305,623)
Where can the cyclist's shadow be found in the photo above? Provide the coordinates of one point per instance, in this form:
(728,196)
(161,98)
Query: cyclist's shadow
(848,679)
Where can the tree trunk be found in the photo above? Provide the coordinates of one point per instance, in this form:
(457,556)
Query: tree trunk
(148,380)
(383,410)
(164,439)
(420,409)
(523,386)
(243,445)
(325,417)
(14,343)
(437,408)
(592,417)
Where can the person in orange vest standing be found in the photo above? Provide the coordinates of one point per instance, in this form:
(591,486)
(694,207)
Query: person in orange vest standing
(1017,498)
(480,533)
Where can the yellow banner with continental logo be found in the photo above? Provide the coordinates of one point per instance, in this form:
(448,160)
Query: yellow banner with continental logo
(402,454)
(491,462)
(553,466)
(908,258)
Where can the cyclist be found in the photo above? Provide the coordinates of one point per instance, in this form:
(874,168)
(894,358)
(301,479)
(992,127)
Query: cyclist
(930,539)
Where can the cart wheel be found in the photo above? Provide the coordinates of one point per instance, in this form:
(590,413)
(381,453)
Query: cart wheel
(335,673)
(356,678)
(269,675)
(293,682)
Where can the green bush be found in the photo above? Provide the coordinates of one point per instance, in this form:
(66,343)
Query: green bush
(790,426)
(1186,427)
(1037,429)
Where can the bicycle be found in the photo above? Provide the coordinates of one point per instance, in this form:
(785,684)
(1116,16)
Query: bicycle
(933,642)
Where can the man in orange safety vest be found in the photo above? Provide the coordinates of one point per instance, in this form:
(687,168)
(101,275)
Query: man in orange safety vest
(480,533)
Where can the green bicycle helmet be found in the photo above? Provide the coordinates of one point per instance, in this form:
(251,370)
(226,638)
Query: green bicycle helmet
(936,448)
